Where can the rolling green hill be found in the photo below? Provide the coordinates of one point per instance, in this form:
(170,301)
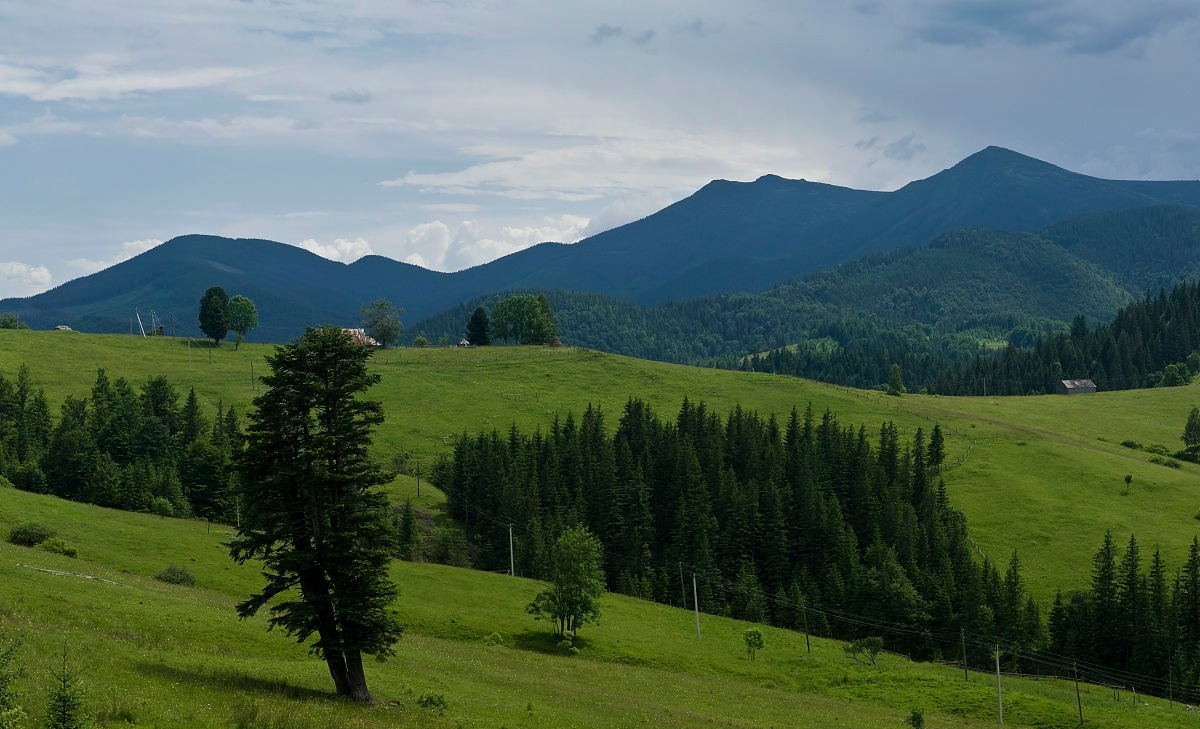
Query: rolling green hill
(177,657)
(1043,475)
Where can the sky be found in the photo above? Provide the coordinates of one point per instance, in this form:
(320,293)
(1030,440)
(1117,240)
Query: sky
(448,133)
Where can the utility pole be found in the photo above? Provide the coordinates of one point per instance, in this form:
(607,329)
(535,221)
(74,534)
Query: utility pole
(999,688)
(962,633)
(512,565)
(1170,687)
(682,589)
(804,614)
(419,483)
(696,604)
(1078,699)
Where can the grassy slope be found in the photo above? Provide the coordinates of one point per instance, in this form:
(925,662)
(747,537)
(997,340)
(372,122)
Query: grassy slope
(168,656)
(1039,477)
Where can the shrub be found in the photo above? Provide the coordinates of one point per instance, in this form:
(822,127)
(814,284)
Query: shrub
(494,639)
(161,507)
(864,650)
(57,545)
(432,701)
(173,575)
(30,534)
(1132,444)
(916,719)
(420,342)
(753,637)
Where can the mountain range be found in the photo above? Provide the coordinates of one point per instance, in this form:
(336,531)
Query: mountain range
(727,237)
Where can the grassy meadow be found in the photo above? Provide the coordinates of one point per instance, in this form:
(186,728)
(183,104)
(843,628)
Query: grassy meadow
(177,657)
(1043,475)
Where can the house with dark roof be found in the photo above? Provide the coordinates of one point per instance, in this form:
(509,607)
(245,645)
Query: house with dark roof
(1075,387)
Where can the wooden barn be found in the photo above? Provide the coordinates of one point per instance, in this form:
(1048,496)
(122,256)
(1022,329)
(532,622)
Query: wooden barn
(1075,387)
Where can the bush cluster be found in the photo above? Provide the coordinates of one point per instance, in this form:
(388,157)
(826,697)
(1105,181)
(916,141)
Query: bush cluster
(58,545)
(30,534)
(176,576)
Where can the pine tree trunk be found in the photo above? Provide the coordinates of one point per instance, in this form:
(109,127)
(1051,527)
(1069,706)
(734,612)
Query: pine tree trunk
(315,587)
(357,680)
(337,669)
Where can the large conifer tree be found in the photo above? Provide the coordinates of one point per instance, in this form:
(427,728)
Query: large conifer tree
(214,314)
(479,329)
(310,511)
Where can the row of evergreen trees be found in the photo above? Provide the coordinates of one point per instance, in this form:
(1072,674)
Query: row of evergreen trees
(1140,622)
(770,516)
(1149,343)
(127,447)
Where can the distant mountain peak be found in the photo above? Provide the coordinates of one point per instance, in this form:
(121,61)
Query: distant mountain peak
(993,156)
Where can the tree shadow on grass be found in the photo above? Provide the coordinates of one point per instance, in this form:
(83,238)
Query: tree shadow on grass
(226,679)
(544,641)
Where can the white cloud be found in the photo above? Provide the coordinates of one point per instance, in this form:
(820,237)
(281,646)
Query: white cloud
(345,250)
(587,169)
(22,279)
(129,249)
(99,81)
(274,98)
(626,210)
(352,96)
(435,245)
(6,138)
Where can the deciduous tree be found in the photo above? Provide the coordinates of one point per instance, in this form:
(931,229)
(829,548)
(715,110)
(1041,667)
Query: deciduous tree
(576,583)
(381,320)
(243,317)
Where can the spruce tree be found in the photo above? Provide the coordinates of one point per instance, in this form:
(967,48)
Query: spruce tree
(937,448)
(895,385)
(310,510)
(1191,431)
(1106,613)
(214,314)
(479,328)
(65,708)
(406,531)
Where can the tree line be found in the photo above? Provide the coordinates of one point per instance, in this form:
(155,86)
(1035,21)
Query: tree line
(1137,618)
(515,318)
(1152,342)
(771,516)
(128,447)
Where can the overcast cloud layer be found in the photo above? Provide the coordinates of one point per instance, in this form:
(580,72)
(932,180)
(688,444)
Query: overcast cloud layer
(450,133)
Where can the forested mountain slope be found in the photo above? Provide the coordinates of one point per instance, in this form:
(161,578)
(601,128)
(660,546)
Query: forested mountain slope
(967,293)
(727,237)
